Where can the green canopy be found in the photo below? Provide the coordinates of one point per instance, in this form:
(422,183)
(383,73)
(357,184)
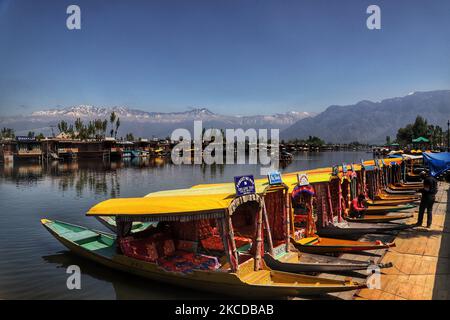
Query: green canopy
(420,139)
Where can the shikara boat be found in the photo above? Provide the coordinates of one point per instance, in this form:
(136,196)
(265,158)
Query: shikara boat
(315,242)
(322,245)
(227,268)
(320,263)
(378,218)
(354,230)
(400,192)
(386,209)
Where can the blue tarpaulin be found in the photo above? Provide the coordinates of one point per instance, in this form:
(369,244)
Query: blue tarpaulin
(438,163)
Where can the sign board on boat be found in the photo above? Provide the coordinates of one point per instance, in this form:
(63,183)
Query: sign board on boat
(302,179)
(25,138)
(335,170)
(274,178)
(244,185)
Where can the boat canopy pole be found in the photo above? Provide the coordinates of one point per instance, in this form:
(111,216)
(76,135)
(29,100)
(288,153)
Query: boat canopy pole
(259,240)
(233,244)
(289,214)
(340,202)
(267,228)
(330,203)
(224,234)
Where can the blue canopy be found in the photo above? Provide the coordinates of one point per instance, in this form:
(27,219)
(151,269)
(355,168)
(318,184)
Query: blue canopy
(438,163)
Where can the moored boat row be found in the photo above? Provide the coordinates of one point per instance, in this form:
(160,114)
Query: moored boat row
(254,238)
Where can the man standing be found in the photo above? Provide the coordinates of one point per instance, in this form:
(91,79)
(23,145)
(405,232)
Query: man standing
(429,190)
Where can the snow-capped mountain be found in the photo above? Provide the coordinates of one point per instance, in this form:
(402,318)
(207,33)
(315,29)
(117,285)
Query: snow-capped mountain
(146,124)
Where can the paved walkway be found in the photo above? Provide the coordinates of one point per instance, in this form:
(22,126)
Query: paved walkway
(421,260)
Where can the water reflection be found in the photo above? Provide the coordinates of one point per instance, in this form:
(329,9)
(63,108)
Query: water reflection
(126,286)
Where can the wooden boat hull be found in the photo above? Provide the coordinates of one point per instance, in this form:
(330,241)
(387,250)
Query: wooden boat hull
(378,218)
(330,245)
(400,192)
(371,203)
(409,184)
(386,209)
(385,196)
(265,283)
(318,264)
(403,188)
(357,229)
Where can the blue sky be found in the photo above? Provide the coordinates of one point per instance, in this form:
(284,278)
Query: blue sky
(233,57)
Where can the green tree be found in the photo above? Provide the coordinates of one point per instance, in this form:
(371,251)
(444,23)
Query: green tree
(117,127)
(62,126)
(420,127)
(30,134)
(112,119)
(7,133)
(40,136)
(412,131)
(129,137)
(79,125)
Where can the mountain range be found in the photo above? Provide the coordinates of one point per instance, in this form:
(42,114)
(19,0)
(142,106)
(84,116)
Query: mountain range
(365,121)
(371,122)
(147,124)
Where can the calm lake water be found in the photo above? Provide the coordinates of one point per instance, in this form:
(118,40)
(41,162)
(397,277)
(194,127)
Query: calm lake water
(33,263)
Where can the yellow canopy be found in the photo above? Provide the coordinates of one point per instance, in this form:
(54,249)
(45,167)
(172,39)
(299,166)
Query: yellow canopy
(162,205)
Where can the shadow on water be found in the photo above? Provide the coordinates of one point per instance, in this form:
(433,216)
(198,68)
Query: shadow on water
(126,286)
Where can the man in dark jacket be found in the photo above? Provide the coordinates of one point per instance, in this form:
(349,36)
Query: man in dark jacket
(429,190)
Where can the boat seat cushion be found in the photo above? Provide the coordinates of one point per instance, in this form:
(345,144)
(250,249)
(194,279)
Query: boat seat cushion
(186,262)
(142,249)
(189,246)
(215,243)
(168,247)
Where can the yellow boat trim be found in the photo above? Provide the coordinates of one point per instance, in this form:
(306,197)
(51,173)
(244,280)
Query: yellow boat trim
(309,240)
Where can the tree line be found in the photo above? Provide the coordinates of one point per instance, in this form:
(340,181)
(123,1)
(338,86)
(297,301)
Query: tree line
(421,128)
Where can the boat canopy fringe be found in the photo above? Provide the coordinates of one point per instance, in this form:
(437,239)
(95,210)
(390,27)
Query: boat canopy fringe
(180,218)
(243,199)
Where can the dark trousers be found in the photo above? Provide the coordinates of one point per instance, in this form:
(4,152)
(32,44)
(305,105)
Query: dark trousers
(356,214)
(426,203)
